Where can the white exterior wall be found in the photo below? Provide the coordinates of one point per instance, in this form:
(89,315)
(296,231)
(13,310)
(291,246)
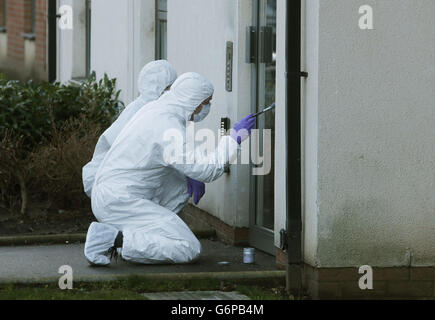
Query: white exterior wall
(64,56)
(3,47)
(71,44)
(197,36)
(29,56)
(371,96)
(310,100)
(122,42)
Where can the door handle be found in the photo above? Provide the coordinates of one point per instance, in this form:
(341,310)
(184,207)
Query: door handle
(266,45)
(251,44)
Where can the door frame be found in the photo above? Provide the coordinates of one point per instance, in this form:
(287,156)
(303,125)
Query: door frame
(259,237)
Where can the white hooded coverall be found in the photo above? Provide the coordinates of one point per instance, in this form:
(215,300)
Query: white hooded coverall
(154,78)
(139,192)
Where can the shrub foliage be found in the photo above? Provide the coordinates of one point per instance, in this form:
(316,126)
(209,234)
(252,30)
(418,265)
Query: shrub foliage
(47,133)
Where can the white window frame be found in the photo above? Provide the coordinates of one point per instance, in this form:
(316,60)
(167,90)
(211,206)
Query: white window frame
(161,16)
(81,41)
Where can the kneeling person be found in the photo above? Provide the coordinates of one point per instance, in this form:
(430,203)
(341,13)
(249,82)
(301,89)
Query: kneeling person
(138,193)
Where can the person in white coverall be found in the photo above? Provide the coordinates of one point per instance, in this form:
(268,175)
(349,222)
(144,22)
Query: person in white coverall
(154,79)
(139,189)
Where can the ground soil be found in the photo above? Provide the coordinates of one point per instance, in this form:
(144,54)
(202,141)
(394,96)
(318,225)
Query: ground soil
(41,221)
(45,219)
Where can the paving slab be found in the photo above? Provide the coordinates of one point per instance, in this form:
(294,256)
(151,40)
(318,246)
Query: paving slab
(196,295)
(26,264)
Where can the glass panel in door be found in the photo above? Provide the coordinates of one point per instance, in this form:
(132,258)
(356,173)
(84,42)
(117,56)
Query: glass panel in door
(266,96)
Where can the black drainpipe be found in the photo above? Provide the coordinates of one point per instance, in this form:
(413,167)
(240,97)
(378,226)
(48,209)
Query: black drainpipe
(52,40)
(293,234)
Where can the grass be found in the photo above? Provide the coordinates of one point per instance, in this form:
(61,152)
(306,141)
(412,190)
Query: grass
(132,288)
(261,293)
(74,294)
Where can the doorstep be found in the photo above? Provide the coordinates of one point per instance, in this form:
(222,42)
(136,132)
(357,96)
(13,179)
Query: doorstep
(40,264)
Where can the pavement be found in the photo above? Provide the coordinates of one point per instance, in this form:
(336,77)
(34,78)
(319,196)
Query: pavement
(40,264)
(196,295)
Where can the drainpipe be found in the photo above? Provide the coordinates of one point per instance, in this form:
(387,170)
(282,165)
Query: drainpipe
(52,43)
(292,237)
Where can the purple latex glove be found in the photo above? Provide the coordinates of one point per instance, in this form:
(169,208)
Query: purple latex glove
(242,129)
(195,188)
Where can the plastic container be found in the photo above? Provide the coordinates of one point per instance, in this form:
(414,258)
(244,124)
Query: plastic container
(248,255)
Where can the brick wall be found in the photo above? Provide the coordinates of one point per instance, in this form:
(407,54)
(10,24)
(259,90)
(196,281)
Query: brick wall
(15,25)
(224,232)
(19,21)
(281,259)
(388,283)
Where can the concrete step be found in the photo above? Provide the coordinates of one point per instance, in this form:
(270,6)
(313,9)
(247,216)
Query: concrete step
(40,264)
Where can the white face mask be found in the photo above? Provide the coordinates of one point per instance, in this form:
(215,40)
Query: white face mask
(203,114)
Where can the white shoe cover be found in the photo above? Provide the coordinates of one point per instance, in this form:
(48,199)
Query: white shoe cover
(100,238)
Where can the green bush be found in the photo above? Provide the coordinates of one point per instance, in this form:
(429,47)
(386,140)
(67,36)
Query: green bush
(47,133)
(33,110)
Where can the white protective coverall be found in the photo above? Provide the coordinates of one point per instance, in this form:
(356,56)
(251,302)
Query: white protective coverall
(139,191)
(154,78)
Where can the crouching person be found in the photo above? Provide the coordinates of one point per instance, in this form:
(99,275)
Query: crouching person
(138,192)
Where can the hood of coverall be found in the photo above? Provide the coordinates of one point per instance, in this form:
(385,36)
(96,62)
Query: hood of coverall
(154,78)
(187,93)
